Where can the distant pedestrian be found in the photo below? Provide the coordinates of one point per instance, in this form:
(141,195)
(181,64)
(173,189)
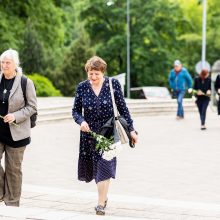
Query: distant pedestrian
(217,89)
(180,80)
(202,85)
(92,109)
(14,125)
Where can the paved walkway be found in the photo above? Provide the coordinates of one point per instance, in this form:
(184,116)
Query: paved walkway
(172,174)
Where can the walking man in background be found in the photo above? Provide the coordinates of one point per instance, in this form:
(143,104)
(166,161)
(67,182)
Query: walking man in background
(180,80)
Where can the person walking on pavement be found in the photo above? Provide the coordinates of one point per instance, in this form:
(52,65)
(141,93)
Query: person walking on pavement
(91,110)
(202,85)
(180,80)
(217,89)
(14,125)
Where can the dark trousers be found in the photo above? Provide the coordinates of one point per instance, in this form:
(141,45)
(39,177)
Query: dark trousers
(202,105)
(218,107)
(11,176)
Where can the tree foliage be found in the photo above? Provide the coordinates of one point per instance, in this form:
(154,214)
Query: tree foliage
(72,70)
(44,86)
(56,37)
(106,26)
(32,53)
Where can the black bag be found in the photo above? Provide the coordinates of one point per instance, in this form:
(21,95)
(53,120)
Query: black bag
(116,126)
(33,117)
(109,129)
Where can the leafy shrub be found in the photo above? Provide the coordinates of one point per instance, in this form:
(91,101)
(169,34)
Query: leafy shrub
(44,86)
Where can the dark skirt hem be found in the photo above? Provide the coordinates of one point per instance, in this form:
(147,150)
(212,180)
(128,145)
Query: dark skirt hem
(82,179)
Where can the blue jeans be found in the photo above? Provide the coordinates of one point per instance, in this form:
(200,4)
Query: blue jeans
(179,96)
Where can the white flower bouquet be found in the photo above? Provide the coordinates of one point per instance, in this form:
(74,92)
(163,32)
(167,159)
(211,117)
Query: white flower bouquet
(106,147)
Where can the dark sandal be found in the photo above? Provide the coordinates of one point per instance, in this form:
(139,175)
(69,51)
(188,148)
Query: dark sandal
(99,210)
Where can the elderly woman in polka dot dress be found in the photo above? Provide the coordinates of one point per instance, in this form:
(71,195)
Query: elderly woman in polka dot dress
(92,108)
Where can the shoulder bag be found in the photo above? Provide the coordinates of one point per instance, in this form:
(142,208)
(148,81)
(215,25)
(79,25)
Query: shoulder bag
(116,126)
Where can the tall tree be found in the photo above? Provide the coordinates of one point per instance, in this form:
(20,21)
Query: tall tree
(106,25)
(190,36)
(72,71)
(32,54)
(47,29)
(213,31)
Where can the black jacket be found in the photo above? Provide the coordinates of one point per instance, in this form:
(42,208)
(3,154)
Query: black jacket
(203,85)
(217,83)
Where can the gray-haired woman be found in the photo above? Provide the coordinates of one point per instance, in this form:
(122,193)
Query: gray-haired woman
(15,115)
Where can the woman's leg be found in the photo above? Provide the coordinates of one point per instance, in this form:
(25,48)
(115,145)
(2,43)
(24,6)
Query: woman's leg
(199,105)
(218,108)
(2,173)
(103,187)
(205,104)
(13,175)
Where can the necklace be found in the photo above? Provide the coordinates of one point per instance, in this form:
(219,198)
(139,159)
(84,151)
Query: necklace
(6,88)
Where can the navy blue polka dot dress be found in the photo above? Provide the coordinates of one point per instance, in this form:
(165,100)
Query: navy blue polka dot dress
(96,110)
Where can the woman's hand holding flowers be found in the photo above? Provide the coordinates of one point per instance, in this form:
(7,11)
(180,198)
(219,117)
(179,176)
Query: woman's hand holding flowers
(9,118)
(84,126)
(208,92)
(199,92)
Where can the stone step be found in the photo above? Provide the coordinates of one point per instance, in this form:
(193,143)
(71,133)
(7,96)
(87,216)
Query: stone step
(56,109)
(140,101)
(53,109)
(48,113)
(131,107)
(160,106)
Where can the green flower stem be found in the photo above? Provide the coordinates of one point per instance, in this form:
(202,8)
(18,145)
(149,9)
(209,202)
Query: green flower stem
(102,143)
(194,92)
(12,122)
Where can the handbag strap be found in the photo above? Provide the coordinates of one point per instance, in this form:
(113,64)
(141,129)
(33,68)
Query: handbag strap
(113,98)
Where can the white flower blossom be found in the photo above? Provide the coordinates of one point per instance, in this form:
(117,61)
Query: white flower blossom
(107,148)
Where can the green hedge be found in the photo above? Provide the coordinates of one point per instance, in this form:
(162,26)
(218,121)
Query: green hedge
(44,86)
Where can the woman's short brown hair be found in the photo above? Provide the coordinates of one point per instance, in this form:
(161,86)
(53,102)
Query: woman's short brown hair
(204,73)
(96,63)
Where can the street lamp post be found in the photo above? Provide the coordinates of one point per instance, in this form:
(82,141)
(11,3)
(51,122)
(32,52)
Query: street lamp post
(128,48)
(203,64)
(204,34)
